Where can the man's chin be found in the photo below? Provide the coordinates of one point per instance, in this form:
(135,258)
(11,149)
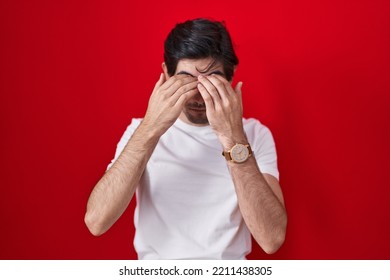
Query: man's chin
(199,118)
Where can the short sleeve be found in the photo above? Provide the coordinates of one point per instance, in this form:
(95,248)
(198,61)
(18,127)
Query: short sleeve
(263,146)
(125,138)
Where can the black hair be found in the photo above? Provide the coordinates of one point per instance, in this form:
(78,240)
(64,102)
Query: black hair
(200,38)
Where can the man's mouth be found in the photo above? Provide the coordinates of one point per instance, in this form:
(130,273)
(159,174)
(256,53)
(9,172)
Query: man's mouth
(197,107)
(198,110)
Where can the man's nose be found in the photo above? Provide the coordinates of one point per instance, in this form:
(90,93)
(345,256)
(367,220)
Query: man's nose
(198,98)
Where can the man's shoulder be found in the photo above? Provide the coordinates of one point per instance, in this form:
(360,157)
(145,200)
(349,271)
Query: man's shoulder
(136,121)
(255,130)
(252,123)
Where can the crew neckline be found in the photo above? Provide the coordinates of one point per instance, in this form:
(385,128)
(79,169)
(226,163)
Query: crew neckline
(193,128)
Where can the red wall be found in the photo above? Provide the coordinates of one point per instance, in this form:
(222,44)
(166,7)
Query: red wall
(73,74)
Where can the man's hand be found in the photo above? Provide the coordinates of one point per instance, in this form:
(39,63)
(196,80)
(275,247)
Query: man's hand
(167,101)
(223,108)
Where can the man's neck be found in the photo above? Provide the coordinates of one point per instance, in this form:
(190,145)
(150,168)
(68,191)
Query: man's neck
(184,119)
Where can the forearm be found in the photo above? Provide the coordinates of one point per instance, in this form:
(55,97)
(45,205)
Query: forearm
(260,202)
(113,193)
(262,210)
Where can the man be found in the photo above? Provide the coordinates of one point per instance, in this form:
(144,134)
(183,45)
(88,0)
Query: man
(204,177)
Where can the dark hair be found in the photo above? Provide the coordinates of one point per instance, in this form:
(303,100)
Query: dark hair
(200,38)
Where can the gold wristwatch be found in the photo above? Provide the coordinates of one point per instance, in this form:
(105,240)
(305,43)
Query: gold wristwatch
(239,153)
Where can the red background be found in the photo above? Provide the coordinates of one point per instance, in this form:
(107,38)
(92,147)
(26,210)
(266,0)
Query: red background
(74,73)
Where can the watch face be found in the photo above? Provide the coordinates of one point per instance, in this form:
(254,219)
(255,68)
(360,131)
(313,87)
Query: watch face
(239,153)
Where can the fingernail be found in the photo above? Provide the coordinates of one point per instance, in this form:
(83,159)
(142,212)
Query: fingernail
(200,77)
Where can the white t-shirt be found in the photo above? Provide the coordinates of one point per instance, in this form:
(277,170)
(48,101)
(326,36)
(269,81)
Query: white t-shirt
(186,202)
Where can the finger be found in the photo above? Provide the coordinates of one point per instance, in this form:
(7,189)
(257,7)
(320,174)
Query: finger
(160,81)
(175,82)
(221,87)
(239,92)
(238,89)
(227,84)
(182,90)
(168,82)
(183,98)
(211,89)
(208,100)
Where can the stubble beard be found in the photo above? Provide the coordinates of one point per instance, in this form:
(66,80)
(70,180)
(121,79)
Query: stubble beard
(194,116)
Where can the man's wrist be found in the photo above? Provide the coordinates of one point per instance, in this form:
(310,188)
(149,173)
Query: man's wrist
(150,131)
(229,141)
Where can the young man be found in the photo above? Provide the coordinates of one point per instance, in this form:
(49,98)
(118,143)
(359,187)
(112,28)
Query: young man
(204,177)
